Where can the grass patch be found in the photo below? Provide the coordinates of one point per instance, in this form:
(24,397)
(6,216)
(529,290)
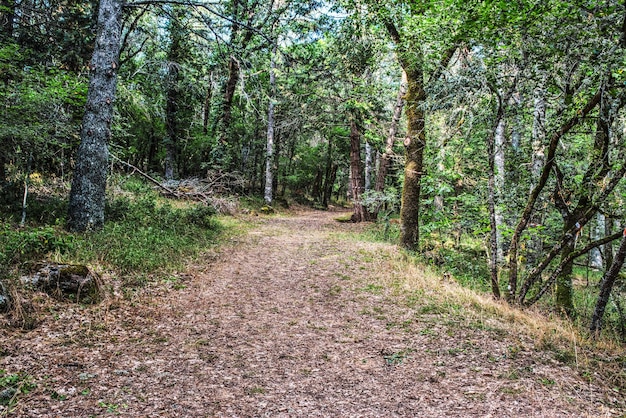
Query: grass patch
(468,304)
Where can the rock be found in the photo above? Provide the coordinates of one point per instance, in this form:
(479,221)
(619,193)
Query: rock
(4,298)
(76,282)
(6,395)
(4,303)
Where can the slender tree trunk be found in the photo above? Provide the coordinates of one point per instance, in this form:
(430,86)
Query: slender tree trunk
(414,144)
(535,245)
(499,146)
(368,166)
(381,175)
(207,107)
(174,100)
(269,169)
(608,247)
(171,122)
(564,285)
(331,173)
(607,285)
(596,259)
(492,144)
(276,164)
(599,167)
(227,105)
(87,195)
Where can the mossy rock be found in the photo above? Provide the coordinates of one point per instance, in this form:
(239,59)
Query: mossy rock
(76,282)
(267,209)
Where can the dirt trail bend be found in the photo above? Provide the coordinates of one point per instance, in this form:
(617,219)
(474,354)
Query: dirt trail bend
(292,321)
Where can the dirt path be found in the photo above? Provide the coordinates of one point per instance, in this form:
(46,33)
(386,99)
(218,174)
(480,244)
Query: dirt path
(292,322)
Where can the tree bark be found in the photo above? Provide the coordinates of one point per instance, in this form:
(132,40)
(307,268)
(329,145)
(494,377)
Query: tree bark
(494,237)
(87,195)
(414,144)
(229,94)
(269,161)
(499,188)
(595,255)
(598,168)
(368,166)
(207,107)
(607,285)
(171,122)
(330,175)
(535,244)
(356,177)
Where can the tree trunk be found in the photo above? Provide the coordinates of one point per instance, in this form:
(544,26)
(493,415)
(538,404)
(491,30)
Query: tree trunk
(492,151)
(356,177)
(330,175)
(391,137)
(368,166)
(414,144)
(227,105)
(207,107)
(599,167)
(269,162)
(607,285)
(499,188)
(535,244)
(564,286)
(595,256)
(608,247)
(171,119)
(87,195)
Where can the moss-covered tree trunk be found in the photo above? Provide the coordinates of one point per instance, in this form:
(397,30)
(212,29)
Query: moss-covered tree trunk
(414,144)
(86,205)
(564,284)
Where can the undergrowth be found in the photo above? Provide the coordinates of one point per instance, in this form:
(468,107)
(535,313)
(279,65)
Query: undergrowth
(145,235)
(455,277)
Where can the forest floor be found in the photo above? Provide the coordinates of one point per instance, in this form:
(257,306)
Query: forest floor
(297,318)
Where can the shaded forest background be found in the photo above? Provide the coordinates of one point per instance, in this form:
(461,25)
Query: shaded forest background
(485,137)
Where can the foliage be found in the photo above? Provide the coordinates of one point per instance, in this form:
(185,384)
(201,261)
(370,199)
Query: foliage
(145,233)
(12,386)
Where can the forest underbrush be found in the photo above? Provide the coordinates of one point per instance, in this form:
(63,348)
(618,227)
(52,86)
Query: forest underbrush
(146,237)
(456,277)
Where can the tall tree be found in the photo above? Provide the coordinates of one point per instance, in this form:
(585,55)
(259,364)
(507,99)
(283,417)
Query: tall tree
(86,204)
(414,61)
(269,159)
